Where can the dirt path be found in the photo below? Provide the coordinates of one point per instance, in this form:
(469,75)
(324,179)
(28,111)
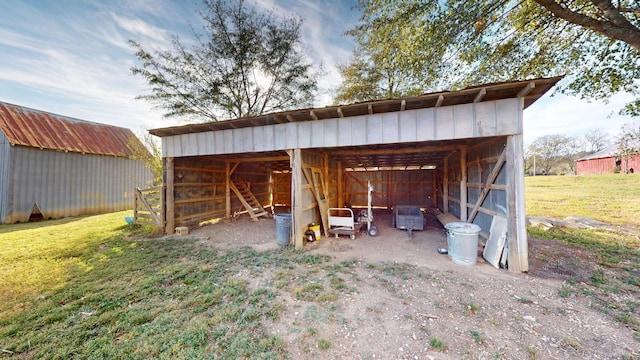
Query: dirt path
(397,298)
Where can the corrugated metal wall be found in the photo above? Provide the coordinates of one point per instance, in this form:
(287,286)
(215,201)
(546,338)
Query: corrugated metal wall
(69,184)
(4,174)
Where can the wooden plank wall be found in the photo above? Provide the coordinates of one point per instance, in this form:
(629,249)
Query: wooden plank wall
(480,161)
(200,191)
(391,188)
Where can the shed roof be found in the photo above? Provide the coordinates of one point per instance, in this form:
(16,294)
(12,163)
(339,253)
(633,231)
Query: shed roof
(529,90)
(610,151)
(40,129)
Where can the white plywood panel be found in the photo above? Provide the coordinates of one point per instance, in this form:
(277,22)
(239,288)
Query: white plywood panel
(229,138)
(258,138)
(444,123)
(390,128)
(292,139)
(176,145)
(463,121)
(358,130)
(425,124)
(164,142)
(280,135)
(204,143)
(344,131)
(508,117)
(407,126)
(485,118)
(331,132)
(317,133)
(268,138)
(243,140)
(374,129)
(218,145)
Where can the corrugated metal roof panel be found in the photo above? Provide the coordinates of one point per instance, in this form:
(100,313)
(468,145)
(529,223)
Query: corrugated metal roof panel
(39,129)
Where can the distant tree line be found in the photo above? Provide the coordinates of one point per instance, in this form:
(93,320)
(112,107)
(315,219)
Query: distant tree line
(557,154)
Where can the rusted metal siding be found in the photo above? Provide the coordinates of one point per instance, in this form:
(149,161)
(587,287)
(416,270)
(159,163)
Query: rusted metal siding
(42,130)
(596,166)
(68,184)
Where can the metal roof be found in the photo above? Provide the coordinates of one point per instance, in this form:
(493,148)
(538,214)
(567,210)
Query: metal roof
(609,151)
(529,90)
(39,129)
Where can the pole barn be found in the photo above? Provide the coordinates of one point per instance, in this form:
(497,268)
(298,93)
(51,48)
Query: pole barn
(53,166)
(458,153)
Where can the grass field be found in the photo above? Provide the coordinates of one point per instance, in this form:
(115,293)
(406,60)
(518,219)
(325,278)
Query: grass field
(614,198)
(82,288)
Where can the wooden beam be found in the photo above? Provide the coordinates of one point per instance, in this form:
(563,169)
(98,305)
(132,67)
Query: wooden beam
(527,89)
(313,115)
(423,149)
(403,105)
(487,185)
(296,198)
(227,191)
(439,101)
(480,95)
(340,114)
(445,186)
(518,255)
(463,184)
(340,185)
(370,109)
(171,224)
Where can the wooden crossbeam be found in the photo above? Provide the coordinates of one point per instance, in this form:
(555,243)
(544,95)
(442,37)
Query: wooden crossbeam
(487,185)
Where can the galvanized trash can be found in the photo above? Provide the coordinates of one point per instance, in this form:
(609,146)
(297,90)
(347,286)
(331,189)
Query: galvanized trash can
(462,242)
(283,229)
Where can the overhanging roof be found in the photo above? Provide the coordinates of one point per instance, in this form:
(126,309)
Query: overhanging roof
(43,130)
(529,90)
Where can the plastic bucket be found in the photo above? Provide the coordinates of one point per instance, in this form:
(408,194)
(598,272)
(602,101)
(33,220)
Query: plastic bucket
(462,242)
(315,227)
(283,229)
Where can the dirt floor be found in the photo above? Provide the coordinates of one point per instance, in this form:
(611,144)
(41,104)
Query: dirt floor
(410,302)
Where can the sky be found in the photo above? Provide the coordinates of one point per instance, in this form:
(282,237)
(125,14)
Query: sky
(72,58)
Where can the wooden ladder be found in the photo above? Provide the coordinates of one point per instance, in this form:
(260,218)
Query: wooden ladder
(248,200)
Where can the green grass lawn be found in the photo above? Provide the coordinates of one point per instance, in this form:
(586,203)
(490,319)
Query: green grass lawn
(85,287)
(613,198)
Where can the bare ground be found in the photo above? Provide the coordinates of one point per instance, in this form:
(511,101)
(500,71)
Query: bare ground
(399,299)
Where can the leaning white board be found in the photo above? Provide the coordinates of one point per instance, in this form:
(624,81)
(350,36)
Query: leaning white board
(495,245)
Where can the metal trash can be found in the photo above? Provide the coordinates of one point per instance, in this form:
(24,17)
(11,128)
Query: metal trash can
(462,242)
(283,229)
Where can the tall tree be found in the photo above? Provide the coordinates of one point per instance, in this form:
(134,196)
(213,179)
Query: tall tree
(245,63)
(595,140)
(629,143)
(456,43)
(549,149)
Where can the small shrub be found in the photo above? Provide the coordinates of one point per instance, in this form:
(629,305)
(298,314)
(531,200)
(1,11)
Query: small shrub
(437,344)
(324,344)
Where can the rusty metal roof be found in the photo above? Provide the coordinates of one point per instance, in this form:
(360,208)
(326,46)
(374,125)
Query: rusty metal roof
(528,90)
(39,129)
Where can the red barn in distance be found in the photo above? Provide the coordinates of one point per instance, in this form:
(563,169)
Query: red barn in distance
(607,161)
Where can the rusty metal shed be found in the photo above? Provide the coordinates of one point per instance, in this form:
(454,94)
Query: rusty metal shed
(458,152)
(52,166)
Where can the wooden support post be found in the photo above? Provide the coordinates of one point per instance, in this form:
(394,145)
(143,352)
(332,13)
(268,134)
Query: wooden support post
(445,186)
(518,256)
(463,184)
(340,185)
(227,192)
(389,189)
(296,198)
(434,191)
(171,224)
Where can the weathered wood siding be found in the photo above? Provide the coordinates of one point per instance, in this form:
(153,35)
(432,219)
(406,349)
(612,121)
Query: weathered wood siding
(5,154)
(484,119)
(391,188)
(480,162)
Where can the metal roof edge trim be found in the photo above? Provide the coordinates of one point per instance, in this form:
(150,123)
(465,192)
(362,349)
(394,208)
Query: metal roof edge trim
(542,85)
